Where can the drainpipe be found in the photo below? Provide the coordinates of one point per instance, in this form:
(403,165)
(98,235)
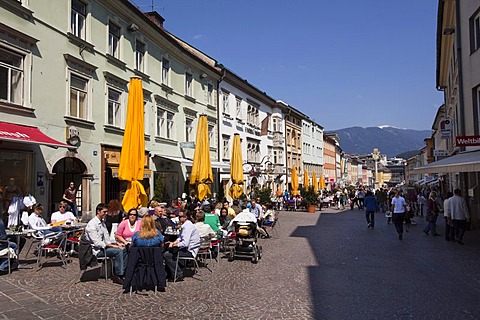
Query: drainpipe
(219,135)
(458,39)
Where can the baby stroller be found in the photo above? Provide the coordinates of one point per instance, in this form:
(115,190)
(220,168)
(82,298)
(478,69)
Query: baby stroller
(246,245)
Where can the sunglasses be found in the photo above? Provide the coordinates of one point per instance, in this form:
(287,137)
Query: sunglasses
(133,215)
(62,207)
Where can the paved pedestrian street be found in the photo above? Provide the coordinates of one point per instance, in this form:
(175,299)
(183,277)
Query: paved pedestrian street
(324,265)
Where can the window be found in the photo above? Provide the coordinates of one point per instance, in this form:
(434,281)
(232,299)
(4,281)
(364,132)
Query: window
(475,32)
(210,94)
(253,151)
(226,150)
(165,71)
(170,125)
(188,84)
(79,13)
(477,111)
(239,108)
(189,130)
(113,40)
(165,124)
(78,97)
(11,77)
(139,56)
(225,108)
(114,108)
(211,135)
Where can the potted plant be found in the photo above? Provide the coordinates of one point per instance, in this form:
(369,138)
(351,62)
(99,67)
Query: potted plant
(309,198)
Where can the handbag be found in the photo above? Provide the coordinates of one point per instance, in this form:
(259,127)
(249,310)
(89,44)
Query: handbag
(388,214)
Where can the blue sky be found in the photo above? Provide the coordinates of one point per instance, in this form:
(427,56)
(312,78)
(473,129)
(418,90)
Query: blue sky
(343,63)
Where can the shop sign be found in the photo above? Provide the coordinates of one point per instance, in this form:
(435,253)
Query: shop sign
(440,153)
(445,128)
(464,141)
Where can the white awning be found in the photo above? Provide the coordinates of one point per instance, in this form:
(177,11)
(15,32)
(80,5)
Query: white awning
(462,162)
(220,165)
(188,162)
(184,161)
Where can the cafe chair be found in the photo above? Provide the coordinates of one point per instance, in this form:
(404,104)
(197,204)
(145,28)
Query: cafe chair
(186,259)
(215,245)
(52,244)
(271,227)
(72,239)
(205,251)
(8,254)
(104,260)
(145,270)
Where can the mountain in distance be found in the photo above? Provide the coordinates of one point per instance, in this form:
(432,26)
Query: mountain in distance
(389,140)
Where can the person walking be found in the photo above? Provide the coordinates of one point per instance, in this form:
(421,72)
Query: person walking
(449,234)
(398,213)
(457,207)
(432,214)
(370,203)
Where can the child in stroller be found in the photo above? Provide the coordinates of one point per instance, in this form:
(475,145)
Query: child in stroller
(245,241)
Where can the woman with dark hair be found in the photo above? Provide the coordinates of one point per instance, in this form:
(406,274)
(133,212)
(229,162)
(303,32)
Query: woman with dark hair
(128,227)
(224,218)
(114,215)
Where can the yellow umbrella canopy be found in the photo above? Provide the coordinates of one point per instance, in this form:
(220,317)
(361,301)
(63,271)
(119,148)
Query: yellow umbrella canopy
(132,157)
(294,181)
(314,181)
(306,181)
(201,175)
(236,170)
(321,183)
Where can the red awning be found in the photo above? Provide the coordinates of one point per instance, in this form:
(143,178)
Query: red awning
(27,134)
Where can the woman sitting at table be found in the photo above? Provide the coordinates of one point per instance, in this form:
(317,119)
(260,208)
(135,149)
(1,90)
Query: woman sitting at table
(148,236)
(128,227)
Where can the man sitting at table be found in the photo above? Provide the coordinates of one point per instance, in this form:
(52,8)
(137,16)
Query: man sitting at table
(97,234)
(188,243)
(62,214)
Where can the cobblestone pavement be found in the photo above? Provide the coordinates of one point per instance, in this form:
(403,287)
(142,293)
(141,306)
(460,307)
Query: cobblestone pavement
(320,266)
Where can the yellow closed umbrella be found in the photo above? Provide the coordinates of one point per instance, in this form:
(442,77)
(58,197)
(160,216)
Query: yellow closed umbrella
(314,181)
(236,170)
(132,157)
(201,175)
(321,183)
(294,181)
(306,181)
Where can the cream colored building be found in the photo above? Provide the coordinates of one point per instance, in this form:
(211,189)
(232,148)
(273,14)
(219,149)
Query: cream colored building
(65,68)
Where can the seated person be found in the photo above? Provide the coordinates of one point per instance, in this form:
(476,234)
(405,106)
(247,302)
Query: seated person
(212,219)
(204,229)
(246,216)
(3,236)
(188,243)
(36,222)
(97,234)
(148,236)
(128,227)
(161,220)
(62,214)
(269,216)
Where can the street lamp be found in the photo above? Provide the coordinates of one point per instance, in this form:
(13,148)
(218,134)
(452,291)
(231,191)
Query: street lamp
(375,157)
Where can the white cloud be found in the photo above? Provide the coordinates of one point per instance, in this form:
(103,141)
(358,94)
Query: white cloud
(198,36)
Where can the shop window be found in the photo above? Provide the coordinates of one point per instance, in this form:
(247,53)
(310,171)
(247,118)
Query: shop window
(16,176)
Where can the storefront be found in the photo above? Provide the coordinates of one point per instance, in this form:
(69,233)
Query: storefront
(23,167)
(112,187)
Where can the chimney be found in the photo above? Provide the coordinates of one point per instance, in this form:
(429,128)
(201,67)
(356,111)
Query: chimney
(156,18)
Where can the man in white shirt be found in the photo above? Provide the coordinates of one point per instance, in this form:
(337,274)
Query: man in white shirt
(398,210)
(458,210)
(62,214)
(96,232)
(36,222)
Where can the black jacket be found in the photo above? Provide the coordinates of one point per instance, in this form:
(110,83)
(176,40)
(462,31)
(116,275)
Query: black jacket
(85,254)
(145,269)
